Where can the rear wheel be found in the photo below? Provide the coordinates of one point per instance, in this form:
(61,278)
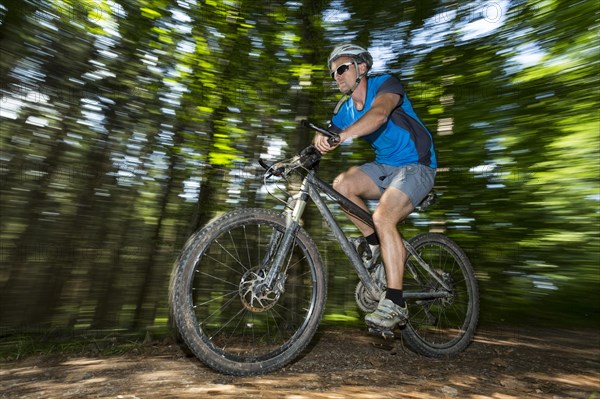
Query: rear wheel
(441,325)
(222,309)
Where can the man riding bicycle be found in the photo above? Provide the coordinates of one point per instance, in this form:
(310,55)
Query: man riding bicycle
(403,173)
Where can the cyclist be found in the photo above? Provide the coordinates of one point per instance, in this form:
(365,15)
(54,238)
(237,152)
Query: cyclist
(377,109)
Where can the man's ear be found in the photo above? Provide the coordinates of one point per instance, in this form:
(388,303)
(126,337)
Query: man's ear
(362,68)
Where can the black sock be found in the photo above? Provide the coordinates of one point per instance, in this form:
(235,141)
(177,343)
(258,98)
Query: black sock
(372,239)
(395,296)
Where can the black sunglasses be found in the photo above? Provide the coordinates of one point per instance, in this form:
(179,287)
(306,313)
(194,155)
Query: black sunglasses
(341,69)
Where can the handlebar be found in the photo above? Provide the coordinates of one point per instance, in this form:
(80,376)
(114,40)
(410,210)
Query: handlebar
(307,159)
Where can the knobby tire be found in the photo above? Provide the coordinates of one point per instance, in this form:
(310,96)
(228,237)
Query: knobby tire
(220,321)
(440,327)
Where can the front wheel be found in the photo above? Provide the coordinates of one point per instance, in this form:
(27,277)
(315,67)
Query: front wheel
(444,323)
(223,310)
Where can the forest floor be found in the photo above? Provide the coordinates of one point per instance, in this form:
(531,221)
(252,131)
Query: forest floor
(340,363)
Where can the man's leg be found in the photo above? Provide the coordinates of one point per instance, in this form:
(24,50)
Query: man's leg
(408,187)
(391,310)
(393,207)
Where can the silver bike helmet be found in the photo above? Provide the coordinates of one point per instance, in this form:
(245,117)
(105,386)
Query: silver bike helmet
(353,51)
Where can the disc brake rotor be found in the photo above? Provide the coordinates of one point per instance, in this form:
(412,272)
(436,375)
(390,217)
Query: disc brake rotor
(254,295)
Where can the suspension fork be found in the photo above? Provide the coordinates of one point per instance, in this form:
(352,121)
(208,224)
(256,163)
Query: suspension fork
(293,216)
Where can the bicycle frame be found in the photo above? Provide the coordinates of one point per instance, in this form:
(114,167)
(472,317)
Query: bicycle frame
(312,187)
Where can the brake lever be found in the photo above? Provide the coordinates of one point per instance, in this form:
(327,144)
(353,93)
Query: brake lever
(264,164)
(273,170)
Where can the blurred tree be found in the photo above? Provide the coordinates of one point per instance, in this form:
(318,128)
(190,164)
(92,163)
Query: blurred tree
(45,84)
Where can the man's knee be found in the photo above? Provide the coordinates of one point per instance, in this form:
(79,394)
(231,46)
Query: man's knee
(383,221)
(338,183)
(391,211)
(343,184)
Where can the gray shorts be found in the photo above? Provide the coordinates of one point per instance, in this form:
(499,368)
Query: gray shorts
(414,180)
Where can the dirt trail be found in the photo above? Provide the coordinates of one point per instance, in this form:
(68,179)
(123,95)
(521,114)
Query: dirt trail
(500,364)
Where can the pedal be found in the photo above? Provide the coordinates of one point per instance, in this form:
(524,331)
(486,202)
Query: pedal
(381,332)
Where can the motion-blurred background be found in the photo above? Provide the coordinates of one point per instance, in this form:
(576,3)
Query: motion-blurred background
(127,125)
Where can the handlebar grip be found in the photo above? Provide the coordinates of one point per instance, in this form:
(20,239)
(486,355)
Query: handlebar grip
(306,123)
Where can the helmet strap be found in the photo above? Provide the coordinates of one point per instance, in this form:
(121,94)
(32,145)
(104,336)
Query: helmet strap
(357,82)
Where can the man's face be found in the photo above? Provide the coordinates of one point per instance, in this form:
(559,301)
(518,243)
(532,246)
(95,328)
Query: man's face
(345,76)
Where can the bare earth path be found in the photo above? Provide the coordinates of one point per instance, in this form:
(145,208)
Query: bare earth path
(342,363)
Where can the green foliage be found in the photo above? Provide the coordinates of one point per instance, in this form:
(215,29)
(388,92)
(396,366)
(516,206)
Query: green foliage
(124,126)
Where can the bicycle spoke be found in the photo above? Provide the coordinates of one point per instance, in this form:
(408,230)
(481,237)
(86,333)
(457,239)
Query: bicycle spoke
(216,278)
(234,246)
(216,298)
(223,325)
(223,263)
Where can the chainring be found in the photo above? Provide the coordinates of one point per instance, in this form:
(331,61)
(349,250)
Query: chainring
(364,299)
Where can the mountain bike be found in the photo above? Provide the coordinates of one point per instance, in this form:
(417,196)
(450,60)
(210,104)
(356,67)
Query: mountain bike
(248,290)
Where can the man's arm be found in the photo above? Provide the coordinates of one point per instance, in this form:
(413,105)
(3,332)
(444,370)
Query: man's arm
(373,119)
(380,111)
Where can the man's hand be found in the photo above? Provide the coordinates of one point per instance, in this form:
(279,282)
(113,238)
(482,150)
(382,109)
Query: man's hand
(321,143)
